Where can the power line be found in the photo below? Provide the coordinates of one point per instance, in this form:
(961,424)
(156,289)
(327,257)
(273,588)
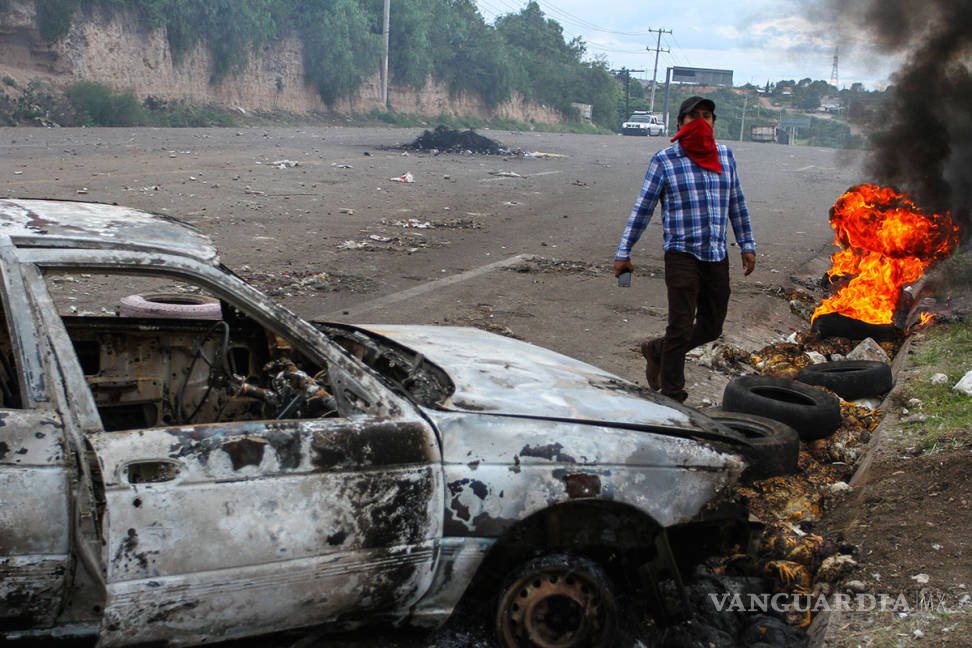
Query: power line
(561,15)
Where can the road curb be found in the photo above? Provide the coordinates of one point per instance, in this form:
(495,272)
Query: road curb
(825,627)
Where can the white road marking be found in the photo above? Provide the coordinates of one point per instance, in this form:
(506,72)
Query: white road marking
(426,287)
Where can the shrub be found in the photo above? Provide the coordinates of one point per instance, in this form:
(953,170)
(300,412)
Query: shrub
(98,105)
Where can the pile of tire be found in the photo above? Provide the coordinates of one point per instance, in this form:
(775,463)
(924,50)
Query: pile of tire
(812,412)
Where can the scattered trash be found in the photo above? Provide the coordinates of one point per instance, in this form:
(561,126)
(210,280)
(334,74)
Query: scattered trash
(505,174)
(816,358)
(83,190)
(345,210)
(939,379)
(406,177)
(539,154)
(352,245)
(921,579)
(284,164)
(413,222)
(834,567)
(840,487)
(18,173)
(342,166)
(964,386)
(253,192)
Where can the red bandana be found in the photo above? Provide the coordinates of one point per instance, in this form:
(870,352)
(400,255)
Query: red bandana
(698,142)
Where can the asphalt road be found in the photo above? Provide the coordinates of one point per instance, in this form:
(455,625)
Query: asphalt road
(338,215)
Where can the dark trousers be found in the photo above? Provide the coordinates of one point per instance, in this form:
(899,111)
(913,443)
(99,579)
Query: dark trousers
(698,298)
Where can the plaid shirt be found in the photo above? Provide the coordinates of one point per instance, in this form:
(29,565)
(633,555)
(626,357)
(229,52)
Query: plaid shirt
(696,206)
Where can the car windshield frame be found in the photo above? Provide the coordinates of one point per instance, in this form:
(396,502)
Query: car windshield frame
(226,285)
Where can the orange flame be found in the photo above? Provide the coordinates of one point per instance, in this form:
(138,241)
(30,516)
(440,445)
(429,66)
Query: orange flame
(887,242)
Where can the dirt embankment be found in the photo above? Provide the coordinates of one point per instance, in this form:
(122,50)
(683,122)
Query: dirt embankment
(111,48)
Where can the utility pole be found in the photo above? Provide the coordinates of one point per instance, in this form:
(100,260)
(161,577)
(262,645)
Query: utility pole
(627,83)
(654,77)
(742,124)
(384,61)
(834,76)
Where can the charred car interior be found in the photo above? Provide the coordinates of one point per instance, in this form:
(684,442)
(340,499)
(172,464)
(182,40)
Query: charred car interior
(205,465)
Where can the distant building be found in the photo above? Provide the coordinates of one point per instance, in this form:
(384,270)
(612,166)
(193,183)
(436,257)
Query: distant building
(701,76)
(584,111)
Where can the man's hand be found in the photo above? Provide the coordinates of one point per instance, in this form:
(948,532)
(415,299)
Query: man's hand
(748,262)
(625,266)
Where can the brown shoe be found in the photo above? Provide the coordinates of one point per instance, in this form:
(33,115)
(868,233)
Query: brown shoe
(653,366)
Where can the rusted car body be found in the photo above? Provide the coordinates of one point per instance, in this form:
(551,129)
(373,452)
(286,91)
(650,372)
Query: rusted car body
(187,482)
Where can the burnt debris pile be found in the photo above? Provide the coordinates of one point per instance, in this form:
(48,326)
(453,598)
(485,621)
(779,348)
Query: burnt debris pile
(444,139)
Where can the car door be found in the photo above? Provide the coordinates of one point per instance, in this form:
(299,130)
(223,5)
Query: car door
(34,476)
(222,530)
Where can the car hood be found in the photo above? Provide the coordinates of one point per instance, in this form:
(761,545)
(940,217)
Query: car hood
(500,375)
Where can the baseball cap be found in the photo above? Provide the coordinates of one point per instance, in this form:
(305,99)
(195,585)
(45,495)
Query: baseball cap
(692,103)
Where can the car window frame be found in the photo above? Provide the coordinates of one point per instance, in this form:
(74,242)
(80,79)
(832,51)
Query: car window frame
(309,340)
(21,325)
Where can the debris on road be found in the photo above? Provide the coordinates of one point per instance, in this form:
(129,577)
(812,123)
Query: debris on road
(285,164)
(405,177)
(453,141)
(414,222)
(543,264)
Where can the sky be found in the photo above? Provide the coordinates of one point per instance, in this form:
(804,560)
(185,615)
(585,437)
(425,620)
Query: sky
(760,40)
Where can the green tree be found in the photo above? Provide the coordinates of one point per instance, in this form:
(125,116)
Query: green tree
(340,47)
(469,54)
(54,17)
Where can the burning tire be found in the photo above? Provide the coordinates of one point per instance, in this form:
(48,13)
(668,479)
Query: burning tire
(837,325)
(557,601)
(850,379)
(812,412)
(775,445)
(171,306)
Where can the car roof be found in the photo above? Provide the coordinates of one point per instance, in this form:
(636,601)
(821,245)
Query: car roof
(89,225)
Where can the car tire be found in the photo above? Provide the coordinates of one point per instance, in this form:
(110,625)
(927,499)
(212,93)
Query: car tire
(774,446)
(837,325)
(850,379)
(170,306)
(812,412)
(559,601)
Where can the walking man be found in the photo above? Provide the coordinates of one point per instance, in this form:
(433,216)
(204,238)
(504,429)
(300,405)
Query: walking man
(695,179)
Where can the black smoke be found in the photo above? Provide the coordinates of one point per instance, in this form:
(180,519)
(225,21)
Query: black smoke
(922,139)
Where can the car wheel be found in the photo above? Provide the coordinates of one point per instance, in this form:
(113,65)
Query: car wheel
(172,306)
(812,412)
(775,446)
(557,601)
(850,379)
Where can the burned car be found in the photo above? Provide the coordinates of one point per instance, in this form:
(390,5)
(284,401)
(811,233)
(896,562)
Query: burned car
(183,479)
